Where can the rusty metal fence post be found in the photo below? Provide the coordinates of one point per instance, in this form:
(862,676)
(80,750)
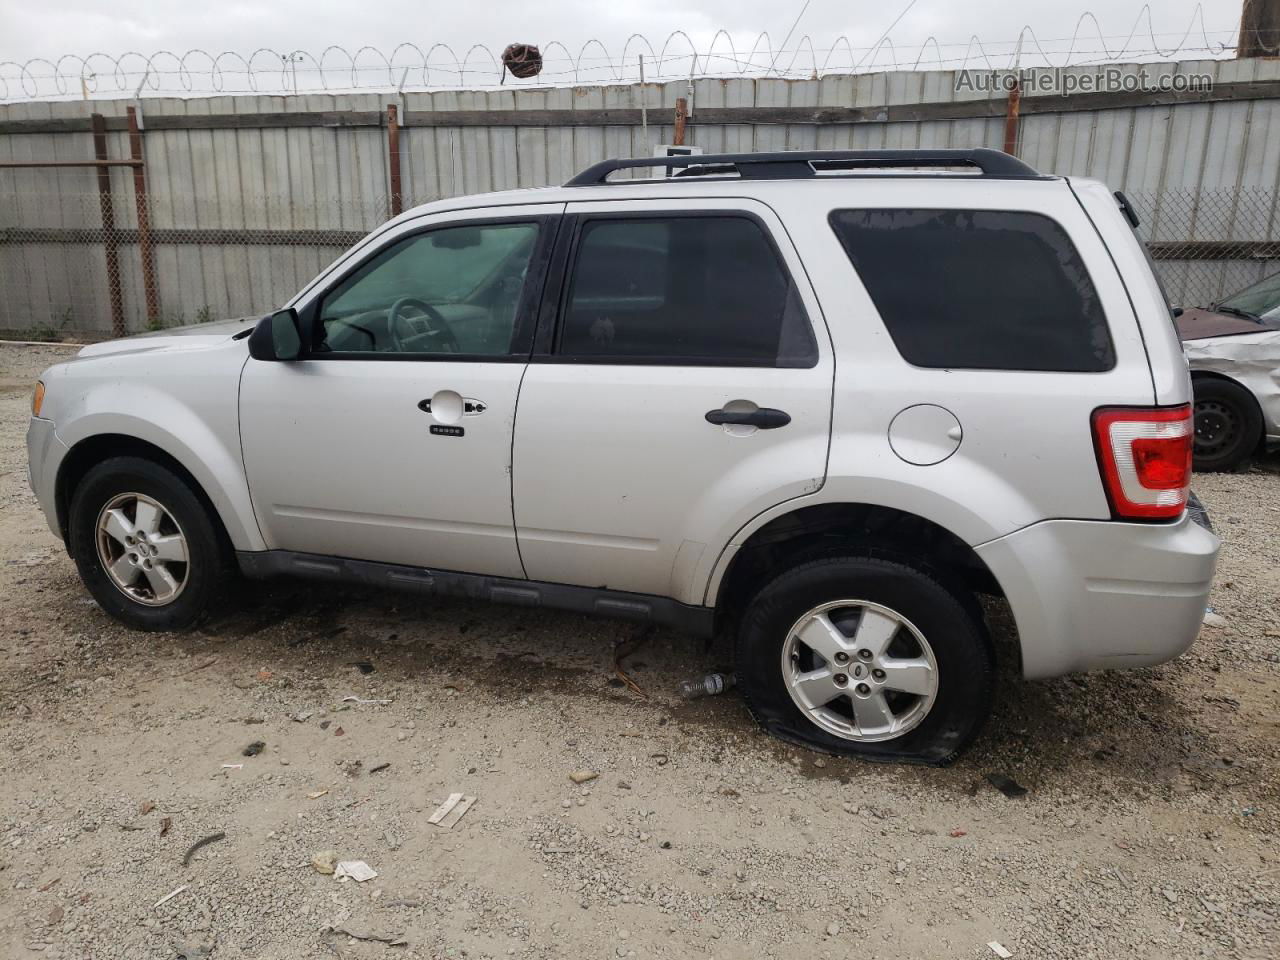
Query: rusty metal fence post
(110,242)
(1011,122)
(393,159)
(145,249)
(682,117)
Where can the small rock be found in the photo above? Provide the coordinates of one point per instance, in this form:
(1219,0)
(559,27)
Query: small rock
(253,749)
(583,776)
(326,861)
(833,929)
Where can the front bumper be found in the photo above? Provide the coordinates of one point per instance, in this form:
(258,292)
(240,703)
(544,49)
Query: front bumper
(44,453)
(1099,594)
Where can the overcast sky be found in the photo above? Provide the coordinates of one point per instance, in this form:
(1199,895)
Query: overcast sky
(50,28)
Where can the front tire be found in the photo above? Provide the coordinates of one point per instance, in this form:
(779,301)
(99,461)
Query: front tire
(869,657)
(145,545)
(1228,425)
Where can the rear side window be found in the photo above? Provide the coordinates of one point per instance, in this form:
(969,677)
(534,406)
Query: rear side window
(978,289)
(683,289)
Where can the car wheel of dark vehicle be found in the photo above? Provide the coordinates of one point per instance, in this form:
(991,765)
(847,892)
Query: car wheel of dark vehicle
(145,545)
(869,657)
(1228,425)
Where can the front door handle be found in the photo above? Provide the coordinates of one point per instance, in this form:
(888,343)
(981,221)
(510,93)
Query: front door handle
(766,418)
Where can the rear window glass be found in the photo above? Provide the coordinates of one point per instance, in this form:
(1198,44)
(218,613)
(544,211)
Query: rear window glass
(978,289)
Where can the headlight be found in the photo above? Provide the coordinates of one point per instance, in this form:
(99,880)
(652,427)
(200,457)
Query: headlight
(37,398)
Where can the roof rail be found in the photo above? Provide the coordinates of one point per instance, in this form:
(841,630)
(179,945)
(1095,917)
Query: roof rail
(801,164)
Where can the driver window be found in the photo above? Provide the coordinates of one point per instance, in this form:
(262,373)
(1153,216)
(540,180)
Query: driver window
(453,290)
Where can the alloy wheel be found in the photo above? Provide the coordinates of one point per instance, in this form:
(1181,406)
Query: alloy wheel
(142,549)
(860,670)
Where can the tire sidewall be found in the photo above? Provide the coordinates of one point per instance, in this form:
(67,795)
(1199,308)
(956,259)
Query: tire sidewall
(1248,420)
(204,550)
(959,643)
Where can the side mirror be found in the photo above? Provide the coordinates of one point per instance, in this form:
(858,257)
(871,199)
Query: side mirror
(276,337)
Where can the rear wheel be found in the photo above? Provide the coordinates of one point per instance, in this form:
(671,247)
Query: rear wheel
(866,656)
(1228,425)
(145,545)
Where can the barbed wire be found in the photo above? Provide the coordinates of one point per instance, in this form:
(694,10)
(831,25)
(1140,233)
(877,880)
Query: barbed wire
(408,66)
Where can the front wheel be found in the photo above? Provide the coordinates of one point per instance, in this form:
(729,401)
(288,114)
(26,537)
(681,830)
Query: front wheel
(145,545)
(869,657)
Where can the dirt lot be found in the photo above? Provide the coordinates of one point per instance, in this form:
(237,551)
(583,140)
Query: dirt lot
(1149,830)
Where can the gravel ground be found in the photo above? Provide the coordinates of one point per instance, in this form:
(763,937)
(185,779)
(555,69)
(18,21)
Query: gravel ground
(1149,829)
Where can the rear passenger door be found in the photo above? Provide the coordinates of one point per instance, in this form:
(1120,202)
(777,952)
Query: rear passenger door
(681,384)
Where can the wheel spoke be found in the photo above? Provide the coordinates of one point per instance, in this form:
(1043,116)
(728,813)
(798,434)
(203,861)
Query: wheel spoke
(871,713)
(117,526)
(874,632)
(123,571)
(146,518)
(910,676)
(817,686)
(171,547)
(823,637)
(163,585)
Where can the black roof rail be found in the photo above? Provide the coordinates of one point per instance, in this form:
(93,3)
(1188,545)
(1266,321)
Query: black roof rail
(801,164)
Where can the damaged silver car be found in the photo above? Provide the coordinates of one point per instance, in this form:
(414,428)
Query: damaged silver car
(1233,349)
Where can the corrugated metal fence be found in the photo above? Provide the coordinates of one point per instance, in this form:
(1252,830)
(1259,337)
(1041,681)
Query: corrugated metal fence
(246,198)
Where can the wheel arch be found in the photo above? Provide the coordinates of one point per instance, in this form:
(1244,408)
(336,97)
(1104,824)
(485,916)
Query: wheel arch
(826,528)
(92,450)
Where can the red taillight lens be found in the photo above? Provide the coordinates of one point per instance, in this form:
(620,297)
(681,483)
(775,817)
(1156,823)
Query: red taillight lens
(1145,458)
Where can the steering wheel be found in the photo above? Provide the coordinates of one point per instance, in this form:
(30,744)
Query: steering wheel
(438,328)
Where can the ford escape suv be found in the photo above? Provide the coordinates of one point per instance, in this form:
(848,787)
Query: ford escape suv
(821,401)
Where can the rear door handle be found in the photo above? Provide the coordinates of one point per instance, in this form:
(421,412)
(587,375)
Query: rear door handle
(766,418)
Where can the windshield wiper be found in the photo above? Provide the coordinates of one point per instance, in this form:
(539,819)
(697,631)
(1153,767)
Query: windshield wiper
(1237,312)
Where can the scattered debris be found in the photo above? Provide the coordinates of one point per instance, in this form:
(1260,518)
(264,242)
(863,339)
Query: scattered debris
(711,685)
(165,824)
(403,903)
(49,886)
(264,675)
(359,933)
(190,950)
(316,794)
(326,861)
(55,915)
(359,701)
(356,870)
(451,811)
(833,929)
(168,896)
(202,842)
(130,826)
(625,649)
(302,716)
(233,766)
(583,776)
(998,950)
(379,765)
(364,666)
(146,807)
(1212,619)
(955,834)
(392,839)
(339,732)
(1006,785)
(253,749)
(660,758)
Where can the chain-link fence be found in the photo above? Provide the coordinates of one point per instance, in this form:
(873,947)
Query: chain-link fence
(64,274)
(1208,244)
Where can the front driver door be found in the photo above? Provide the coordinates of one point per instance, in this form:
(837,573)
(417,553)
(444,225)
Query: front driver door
(390,439)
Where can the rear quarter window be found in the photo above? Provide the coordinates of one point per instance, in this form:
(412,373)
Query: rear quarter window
(978,289)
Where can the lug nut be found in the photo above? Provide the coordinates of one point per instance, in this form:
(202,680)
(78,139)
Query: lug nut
(863,689)
(842,657)
(864,654)
(840,679)
(878,674)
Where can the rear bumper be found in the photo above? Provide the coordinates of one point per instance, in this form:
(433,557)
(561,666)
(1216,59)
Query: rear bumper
(1093,595)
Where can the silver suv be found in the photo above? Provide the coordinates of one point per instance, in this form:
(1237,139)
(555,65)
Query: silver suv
(821,401)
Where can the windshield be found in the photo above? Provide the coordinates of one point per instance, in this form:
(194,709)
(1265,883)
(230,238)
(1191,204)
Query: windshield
(1262,300)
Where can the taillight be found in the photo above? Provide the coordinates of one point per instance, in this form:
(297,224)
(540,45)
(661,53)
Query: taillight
(1145,457)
